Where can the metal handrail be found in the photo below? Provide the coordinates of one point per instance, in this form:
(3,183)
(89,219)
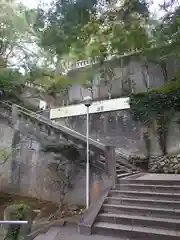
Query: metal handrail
(13,222)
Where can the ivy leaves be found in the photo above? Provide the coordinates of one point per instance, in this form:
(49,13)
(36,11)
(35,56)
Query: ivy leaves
(148,106)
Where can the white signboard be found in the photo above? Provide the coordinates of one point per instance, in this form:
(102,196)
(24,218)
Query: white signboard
(99,106)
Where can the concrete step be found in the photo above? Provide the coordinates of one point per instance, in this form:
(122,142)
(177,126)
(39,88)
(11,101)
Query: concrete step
(118,171)
(124,162)
(122,175)
(143,221)
(143,202)
(145,194)
(141,211)
(156,188)
(121,169)
(135,232)
(151,182)
(102,160)
(119,166)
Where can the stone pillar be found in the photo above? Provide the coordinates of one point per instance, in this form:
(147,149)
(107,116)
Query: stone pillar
(110,159)
(15,162)
(15,119)
(15,168)
(105,124)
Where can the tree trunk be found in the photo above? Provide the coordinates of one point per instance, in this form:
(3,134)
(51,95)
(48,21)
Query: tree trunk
(163,141)
(164,71)
(145,73)
(162,130)
(147,140)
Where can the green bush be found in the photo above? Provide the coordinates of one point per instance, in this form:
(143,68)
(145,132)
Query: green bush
(16,212)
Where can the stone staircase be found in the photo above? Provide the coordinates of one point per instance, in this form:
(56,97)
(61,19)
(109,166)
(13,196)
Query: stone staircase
(141,209)
(107,158)
(44,130)
(134,208)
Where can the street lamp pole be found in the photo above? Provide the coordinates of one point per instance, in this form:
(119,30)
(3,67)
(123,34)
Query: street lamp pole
(87,158)
(87,103)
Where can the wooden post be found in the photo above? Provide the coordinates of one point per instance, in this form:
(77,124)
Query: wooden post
(110,159)
(105,124)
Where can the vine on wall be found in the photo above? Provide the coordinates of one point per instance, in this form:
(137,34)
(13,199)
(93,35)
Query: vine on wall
(4,155)
(156,107)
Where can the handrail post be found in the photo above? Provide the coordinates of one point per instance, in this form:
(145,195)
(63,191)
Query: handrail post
(15,118)
(110,159)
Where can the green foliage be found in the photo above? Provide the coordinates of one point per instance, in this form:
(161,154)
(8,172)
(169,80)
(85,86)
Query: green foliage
(169,28)
(130,7)
(48,80)
(171,86)
(77,29)
(119,35)
(4,155)
(63,21)
(10,79)
(125,37)
(15,31)
(157,105)
(59,83)
(18,212)
(146,106)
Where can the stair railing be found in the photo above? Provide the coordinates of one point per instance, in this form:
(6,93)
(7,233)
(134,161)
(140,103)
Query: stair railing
(46,125)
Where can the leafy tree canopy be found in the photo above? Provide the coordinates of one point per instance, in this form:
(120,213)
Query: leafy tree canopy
(16,35)
(10,79)
(168,29)
(78,30)
(63,21)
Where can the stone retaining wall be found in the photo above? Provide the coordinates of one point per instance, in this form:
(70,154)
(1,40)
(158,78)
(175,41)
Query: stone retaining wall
(164,164)
(158,164)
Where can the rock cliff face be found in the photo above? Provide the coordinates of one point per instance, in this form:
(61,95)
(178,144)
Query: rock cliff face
(165,164)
